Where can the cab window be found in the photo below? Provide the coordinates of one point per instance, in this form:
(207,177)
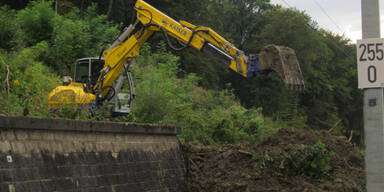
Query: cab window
(97,65)
(82,71)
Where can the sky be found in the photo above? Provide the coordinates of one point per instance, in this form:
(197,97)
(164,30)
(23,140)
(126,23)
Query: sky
(345,15)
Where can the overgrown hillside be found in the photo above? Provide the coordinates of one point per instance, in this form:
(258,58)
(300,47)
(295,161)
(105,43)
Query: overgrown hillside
(35,56)
(37,46)
(39,42)
(239,122)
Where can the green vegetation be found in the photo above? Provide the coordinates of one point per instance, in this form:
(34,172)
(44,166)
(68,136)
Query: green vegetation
(10,36)
(309,160)
(211,117)
(37,45)
(26,82)
(312,161)
(211,103)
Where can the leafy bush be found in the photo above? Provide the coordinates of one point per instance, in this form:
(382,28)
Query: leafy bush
(10,33)
(69,36)
(101,31)
(211,117)
(36,21)
(312,161)
(69,41)
(75,37)
(29,82)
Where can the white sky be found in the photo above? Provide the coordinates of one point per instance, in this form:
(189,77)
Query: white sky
(345,13)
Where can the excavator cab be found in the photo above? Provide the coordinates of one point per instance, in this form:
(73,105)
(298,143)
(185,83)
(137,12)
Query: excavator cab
(88,70)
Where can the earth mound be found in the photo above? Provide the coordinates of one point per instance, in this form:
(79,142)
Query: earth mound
(262,167)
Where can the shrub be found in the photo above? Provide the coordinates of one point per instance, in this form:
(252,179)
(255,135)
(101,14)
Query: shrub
(312,161)
(69,36)
(74,37)
(29,82)
(36,21)
(211,117)
(10,33)
(69,41)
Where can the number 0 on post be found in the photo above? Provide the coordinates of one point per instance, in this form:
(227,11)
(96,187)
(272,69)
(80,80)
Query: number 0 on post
(370,63)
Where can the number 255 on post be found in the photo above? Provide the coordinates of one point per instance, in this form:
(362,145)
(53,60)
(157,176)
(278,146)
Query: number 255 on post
(370,63)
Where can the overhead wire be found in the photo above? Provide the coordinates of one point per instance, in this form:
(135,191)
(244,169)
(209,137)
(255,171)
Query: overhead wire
(287,4)
(311,27)
(329,17)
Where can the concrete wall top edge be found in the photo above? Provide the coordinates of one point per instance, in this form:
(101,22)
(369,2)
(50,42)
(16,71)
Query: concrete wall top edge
(39,123)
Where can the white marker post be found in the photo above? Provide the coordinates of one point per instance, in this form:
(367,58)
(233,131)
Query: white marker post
(370,63)
(371,79)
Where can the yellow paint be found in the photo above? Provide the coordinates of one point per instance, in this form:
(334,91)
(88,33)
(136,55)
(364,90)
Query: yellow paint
(71,94)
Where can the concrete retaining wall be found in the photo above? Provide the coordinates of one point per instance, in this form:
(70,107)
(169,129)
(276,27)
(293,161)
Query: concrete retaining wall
(47,155)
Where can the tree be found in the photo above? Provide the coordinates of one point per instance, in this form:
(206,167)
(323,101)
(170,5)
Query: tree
(10,33)
(327,62)
(237,20)
(37,21)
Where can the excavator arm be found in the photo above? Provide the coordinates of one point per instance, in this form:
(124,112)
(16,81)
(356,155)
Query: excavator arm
(152,20)
(201,38)
(271,58)
(128,45)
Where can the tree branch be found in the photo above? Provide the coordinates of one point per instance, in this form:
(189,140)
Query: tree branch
(7,80)
(350,136)
(109,9)
(7,76)
(334,126)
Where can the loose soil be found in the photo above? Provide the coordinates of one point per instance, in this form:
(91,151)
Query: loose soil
(258,168)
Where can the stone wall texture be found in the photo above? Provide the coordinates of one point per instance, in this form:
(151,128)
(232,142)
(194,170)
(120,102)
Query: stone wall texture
(57,155)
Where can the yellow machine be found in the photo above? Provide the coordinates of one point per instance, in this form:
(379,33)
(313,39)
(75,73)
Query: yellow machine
(96,79)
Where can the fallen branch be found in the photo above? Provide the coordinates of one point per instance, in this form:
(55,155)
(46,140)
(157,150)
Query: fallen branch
(334,126)
(7,76)
(350,136)
(195,165)
(7,80)
(245,152)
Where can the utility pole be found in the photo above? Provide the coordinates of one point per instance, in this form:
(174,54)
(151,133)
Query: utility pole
(371,68)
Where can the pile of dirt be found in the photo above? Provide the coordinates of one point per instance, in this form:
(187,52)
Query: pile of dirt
(260,168)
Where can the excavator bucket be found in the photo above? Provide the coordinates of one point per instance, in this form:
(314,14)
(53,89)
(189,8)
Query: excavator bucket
(282,60)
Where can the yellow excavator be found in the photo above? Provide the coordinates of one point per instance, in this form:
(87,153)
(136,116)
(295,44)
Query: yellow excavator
(98,79)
